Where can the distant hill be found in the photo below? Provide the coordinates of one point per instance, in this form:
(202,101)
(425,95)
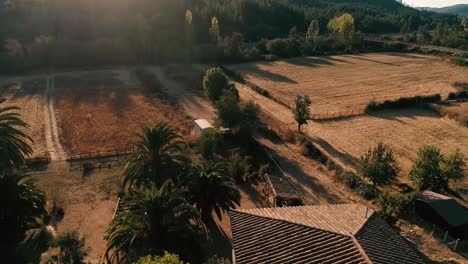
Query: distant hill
(461,9)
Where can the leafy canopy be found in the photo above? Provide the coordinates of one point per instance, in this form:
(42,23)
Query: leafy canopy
(378,164)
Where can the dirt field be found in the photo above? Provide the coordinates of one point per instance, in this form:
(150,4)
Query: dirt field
(348,83)
(102,110)
(88,199)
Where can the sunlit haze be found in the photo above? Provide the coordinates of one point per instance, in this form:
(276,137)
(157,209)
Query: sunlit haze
(434,3)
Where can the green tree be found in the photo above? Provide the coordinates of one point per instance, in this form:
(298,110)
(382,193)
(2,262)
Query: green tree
(344,26)
(159,155)
(212,190)
(379,165)
(189,32)
(215,84)
(426,172)
(159,218)
(209,142)
(313,32)
(14,143)
(228,110)
(215,33)
(396,206)
(301,110)
(453,166)
(71,247)
(23,207)
(233,45)
(167,258)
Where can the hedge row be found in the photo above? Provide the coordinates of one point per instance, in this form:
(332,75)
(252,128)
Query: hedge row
(403,102)
(238,77)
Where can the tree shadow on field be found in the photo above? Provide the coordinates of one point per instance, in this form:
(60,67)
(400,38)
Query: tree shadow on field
(371,60)
(256,71)
(410,113)
(310,61)
(344,157)
(315,191)
(404,55)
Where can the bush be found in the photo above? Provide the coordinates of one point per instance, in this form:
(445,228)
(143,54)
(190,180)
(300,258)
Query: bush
(403,102)
(396,206)
(287,47)
(309,149)
(229,111)
(368,191)
(460,61)
(351,180)
(215,84)
(167,258)
(240,169)
(209,142)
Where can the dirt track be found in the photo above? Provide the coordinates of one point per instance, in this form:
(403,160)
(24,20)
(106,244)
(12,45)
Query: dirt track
(52,138)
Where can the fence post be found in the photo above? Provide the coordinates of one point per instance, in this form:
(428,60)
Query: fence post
(456,244)
(445,237)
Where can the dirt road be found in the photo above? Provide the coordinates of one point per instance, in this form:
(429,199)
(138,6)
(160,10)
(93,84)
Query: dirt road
(54,147)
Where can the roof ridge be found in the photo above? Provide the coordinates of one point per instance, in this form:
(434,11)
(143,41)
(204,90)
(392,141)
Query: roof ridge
(361,249)
(289,222)
(297,206)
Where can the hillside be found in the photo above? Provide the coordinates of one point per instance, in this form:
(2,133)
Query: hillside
(461,10)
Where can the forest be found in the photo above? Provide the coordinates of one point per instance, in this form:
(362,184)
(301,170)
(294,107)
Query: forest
(59,33)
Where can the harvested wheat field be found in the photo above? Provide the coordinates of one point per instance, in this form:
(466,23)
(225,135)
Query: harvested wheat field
(456,111)
(28,95)
(404,130)
(347,83)
(102,110)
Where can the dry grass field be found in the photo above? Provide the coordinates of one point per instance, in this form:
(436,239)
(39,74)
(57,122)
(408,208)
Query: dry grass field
(28,95)
(102,110)
(347,83)
(457,111)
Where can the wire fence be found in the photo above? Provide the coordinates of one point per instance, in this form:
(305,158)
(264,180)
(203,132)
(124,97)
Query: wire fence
(109,152)
(456,244)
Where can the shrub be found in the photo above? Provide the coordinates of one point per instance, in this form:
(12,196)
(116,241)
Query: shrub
(351,179)
(396,206)
(460,61)
(229,111)
(240,169)
(309,149)
(71,249)
(403,102)
(286,47)
(167,258)
(215,84)
(368,191)
(209,142)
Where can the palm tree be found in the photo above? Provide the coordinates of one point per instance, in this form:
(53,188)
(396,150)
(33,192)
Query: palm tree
(158,155)
(158,219)
(211,190)
(14,143)
(23,207)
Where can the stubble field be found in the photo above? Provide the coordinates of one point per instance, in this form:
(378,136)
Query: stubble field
(347,83)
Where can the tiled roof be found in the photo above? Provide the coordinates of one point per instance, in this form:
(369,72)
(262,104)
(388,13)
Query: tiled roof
(343,219)
(317,234)
(265,240)
(383,245)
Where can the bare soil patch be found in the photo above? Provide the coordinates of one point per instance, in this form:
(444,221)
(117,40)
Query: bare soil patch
(102,110)
(347,83)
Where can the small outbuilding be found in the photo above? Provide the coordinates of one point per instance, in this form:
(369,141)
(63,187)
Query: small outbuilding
(280,192)
(200,125)
(443,211)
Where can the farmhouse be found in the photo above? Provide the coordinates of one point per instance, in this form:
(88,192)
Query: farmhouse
(200,125)
(280,192)
(444,212)
(343,233)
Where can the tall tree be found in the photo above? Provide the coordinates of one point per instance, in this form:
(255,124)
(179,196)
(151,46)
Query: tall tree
(301,110)
(215,31)
(215,84)
(159,218)
(14,143)
(426,172)
(379,165)
(344,26)
(313,32)
(159,155)
(212,190)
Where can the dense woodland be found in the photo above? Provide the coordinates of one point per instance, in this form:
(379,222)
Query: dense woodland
(59,33)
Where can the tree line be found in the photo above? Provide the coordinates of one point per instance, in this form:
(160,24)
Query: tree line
(53,33)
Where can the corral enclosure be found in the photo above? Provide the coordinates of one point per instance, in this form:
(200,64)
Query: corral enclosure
(347,83)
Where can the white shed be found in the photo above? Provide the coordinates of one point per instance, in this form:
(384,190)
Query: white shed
(200,125)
